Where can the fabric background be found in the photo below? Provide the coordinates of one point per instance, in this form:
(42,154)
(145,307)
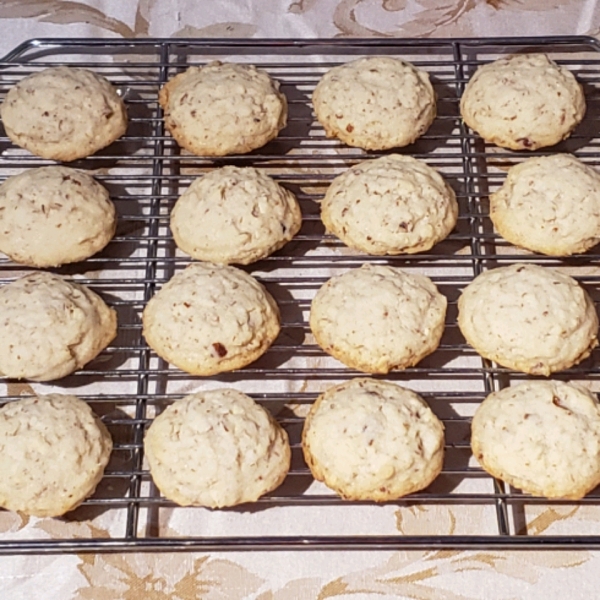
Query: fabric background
(448,575)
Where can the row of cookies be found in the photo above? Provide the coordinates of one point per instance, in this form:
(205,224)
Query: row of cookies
(397,204)
(524,101)
(50,216)
(373,440)
(210,318)
(379,318)
(366,439)
(212,449)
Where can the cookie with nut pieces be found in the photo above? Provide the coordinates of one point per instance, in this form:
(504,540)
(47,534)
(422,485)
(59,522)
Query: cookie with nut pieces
(216,448)
(211,318)
(542,437)
(53,216)
(234,215)
(529,318)
(390,205)
(223,108)
(523,102)
(377,318)
(373,440)
(63,113)
(375,102)
(51,327)
(53,452)
(549,204)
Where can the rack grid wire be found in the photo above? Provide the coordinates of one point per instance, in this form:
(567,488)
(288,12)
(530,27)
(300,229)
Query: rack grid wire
(145,172)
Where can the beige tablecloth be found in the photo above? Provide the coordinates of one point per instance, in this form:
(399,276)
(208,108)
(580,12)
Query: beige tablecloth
(357,575)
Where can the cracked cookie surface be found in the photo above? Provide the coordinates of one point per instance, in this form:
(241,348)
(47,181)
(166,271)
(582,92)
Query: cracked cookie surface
(528,318)
(63,113)
(373,440)
(223,108)
(52,216)
(211,318)
(542,437)
(234,215)
(390,205)
(216,448)
(523,102)
(375,103)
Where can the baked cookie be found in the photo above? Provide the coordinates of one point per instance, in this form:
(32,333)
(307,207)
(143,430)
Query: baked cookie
(63,113)
(549,204)
(223,108)
(377,318)
(373,440)
(53,451)
(217,448)
(51,327)
(54,215)
(523,102)
(211,318)
(375,103)
(528,318)
(390,205)
(542,437)
(234,215)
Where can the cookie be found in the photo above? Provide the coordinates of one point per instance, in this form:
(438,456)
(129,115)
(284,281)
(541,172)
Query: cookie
(373,440)
(54,215)
(51,327)
(234,215)
(390,205)
(542,437)
(375,103)
(377,318)
(211,318)
(523,102)
(528,318)
(216,449)
(550,205)
(63,113)
(223,108)
(53,451)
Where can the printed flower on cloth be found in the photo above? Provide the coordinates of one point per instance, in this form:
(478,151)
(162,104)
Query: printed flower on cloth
(165,576)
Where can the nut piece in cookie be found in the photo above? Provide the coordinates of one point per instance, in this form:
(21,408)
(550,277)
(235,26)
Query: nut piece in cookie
(549,204)
(523,102)
(528,318)
(375,103)
(223,108)
(211,318)
(390,205)
(234,215)
(542,437)
(53,451)
(378,318)
(372,440)
(51,327)
(53,216)
(217,448)
(63,113)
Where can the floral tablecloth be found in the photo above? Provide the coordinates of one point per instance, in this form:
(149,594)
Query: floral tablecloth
(422,575)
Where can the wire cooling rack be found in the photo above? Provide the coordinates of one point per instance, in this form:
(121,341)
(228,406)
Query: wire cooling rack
(145,172)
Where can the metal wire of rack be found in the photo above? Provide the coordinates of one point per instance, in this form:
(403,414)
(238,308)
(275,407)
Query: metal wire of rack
(145,172)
